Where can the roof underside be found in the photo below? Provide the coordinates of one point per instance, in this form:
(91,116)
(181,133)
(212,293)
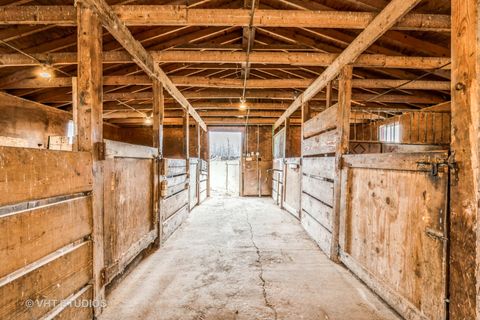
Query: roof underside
(211,77)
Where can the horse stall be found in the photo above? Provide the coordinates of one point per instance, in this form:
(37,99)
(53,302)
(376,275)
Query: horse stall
(46,222)
(394,208)
(320,135)
(175,185)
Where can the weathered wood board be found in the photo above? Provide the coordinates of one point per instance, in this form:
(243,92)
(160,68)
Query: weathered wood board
(324,121)
(29,235)
(323,167)
(172,204)
(323,143)
(30,174)
(73,270)
(319,234)
(173,167)
(172,185)
(128,212)
(318,188)
(127,150)
(174,221)
(318,211)
(394,223)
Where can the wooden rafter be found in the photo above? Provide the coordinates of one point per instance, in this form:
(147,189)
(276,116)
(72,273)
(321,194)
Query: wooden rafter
(140,15)
(287,58)
(138,53)
(392,13)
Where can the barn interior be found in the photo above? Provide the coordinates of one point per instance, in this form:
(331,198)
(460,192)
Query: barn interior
(356,182)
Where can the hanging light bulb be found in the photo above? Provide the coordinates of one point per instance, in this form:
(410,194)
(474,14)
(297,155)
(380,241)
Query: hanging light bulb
(243,104)
(45,72)
(148,120)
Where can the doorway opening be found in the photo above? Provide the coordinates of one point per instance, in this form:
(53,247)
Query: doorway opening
(225,156)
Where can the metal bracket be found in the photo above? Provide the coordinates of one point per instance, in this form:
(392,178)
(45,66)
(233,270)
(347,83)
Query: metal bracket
(436,235)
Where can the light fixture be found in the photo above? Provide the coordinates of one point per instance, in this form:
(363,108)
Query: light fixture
(243,105)
(45,72)
(148,120)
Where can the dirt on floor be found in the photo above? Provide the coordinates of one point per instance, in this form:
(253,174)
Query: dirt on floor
(242,258)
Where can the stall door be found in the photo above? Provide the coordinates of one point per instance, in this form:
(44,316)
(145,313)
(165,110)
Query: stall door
(395,228)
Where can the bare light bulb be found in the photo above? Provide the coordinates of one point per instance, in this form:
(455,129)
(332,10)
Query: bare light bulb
(243,105)
(148,120)
(45,73)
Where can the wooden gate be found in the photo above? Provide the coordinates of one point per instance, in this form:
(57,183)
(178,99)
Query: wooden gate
(293,190)
(393,231)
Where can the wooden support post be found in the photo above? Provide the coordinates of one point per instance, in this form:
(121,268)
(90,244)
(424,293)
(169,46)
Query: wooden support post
(464,270)
(342,146)
(90,127)
(329,95)
(75,113)
(157,132)
(186,135)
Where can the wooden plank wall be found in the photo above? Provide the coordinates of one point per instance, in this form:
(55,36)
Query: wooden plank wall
(45,230)
(174,205)
(318,175)
(393,222)
(129,213)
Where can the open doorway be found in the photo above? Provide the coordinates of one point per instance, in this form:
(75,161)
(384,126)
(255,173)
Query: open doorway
(225,155)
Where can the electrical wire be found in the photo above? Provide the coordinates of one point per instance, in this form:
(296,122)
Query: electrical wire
(33,58)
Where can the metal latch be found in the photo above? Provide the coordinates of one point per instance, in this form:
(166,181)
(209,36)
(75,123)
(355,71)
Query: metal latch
(435,167)
(436,235)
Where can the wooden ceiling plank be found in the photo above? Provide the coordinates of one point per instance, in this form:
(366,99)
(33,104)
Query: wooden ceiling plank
(392,13)
(119,31)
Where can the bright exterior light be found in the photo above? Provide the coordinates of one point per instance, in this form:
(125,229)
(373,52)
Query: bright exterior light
(45,72)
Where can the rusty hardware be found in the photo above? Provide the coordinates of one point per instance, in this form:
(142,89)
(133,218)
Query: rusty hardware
(436,235)
(436,167)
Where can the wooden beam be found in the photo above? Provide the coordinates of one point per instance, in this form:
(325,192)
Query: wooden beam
(221,121)
(205,82)
(140,56)
(281,96)
(256,57)
(342,145)
(464,197)
(203,114)
(157,135)
(157,15)
(392,13)
(90,128)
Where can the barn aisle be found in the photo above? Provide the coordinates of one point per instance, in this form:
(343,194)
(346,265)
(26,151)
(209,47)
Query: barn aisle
(241,258)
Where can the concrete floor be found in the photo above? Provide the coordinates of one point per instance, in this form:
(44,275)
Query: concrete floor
(242,258)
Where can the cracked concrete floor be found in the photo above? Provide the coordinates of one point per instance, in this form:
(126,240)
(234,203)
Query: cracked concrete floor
(241,258)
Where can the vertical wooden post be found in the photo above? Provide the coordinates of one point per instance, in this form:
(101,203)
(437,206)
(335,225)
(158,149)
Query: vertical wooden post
(186,135)
(328,90)
(343,128)
(464,269)
(75,113)
(199,156)
(90,126)
(157,132)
